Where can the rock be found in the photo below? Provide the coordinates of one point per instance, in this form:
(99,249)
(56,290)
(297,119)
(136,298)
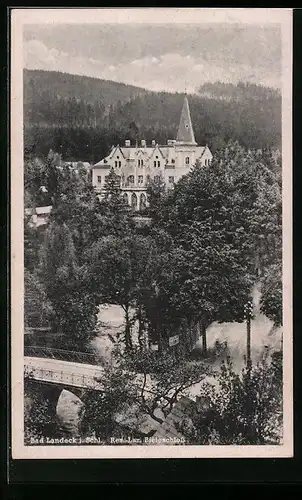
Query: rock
(69,411)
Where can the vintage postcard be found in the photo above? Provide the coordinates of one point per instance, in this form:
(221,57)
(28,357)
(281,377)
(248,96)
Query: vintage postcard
(151,233)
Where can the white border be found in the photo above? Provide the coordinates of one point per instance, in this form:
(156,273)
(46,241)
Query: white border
(20,17)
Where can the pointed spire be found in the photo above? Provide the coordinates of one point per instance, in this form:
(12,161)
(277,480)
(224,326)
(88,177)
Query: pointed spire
(185,132)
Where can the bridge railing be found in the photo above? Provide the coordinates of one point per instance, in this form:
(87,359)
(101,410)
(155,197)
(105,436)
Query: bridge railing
(65,378)
(61,354)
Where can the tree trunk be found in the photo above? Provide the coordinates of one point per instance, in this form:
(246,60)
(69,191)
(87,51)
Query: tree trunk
(204,337)
(141,330)
(159,339)
(128,339)
(187,336)
(157,419)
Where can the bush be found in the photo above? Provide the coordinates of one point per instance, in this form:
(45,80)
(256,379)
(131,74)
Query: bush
(39,419)
(241,409)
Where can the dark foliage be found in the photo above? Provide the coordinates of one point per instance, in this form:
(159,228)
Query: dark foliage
(240,409)
(82,117)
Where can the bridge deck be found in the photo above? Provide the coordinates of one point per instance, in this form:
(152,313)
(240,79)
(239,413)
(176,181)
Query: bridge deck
(64,372)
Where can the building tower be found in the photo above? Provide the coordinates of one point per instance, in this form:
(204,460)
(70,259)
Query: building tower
(186,148)
(185,134)
(137,164)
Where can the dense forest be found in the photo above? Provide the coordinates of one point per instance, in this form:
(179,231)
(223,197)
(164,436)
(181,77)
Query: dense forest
(82,117)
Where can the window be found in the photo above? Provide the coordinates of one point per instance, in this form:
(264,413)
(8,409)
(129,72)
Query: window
(119,164)
(118,157)
(134,201)
(115,163)
(154,163)
(131,179)
(99,179)
(156,157)
(158,163)
(171,179)
(143,201)
(156,178)
(125,198)
(148,178)
(140,179)
(142,163)
(139,163)
(187,160)
(172,161)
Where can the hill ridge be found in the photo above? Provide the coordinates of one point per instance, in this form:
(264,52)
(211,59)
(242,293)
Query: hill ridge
(81,117)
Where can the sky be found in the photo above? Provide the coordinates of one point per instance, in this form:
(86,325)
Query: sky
(169,57)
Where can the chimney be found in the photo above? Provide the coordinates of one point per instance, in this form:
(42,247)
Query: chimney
(143,143)
(127,143)
(153,143)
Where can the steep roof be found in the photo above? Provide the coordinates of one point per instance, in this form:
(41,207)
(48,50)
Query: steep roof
(185,132)
(131,153)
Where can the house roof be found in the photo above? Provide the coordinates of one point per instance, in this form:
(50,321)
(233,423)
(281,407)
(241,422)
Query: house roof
(131,153)
(38,210)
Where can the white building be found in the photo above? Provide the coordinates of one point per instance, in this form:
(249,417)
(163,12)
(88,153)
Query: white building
(39,216)
(136,165)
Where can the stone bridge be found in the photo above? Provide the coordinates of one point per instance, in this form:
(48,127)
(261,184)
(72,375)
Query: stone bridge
(59,367)
(49,371)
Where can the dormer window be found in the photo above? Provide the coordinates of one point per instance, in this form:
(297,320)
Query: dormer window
(158,163)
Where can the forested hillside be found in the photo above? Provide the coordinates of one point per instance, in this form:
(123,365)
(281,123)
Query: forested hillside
(47,87)
(81,117)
